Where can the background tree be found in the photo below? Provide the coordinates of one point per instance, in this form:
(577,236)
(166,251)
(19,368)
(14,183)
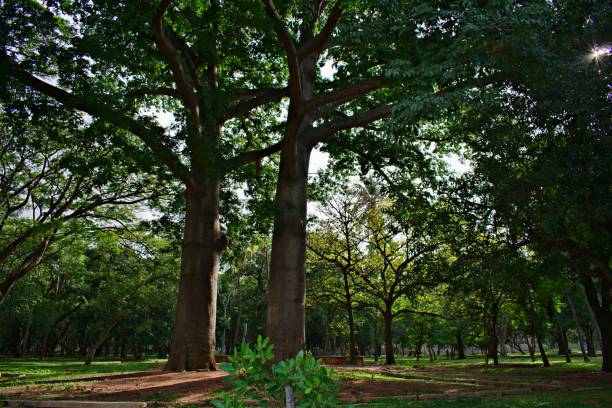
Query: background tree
(52,186)
(336,244)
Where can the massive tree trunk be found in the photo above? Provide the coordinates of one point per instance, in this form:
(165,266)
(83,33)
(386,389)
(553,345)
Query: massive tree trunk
(286,281)
(600,305)
(389,352)
(287,278)
(193,340)
(460,348)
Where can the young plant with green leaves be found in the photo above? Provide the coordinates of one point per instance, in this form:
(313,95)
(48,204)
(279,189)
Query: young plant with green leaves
(301,379)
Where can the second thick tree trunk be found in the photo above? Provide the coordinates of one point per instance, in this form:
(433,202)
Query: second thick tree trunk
(193,340)
(286,281)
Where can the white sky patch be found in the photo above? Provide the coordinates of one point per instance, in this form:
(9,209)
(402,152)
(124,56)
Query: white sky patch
(164,118)
(458,164)
(318,161)
(328,70)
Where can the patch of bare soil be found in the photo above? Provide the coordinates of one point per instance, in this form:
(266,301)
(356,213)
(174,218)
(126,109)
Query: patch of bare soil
(354,390)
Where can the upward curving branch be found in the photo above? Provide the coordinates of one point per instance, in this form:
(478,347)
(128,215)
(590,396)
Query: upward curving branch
(151,136)
(295,78)
(169,51)
(360,119)
(318,43)
(258,98)
(345,94)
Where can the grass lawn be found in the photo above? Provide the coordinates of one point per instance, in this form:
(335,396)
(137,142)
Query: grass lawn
(59,368)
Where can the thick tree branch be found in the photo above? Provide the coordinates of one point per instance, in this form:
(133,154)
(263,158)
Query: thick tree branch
(250,156)
(168,50)
(151,136)
(360,119)
(157,91)
(27,264)
(345,94)
(422,313)
(261,98)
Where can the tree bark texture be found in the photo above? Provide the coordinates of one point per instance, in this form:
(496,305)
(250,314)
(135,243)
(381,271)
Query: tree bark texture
(287,279)
(286,282)
(193,340)
(460,348)
(389,352)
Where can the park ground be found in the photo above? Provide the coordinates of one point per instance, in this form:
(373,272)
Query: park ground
(444,383)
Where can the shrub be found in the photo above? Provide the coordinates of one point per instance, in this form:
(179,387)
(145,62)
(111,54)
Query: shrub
(252,378)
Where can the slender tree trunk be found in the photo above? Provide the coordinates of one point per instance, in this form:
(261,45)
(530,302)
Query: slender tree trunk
(348,298)
(389,352)
(431,353)
(545,361)
(376,343)
(123,348)
(44,349)
(596,335)
(590,342)
(326,336)
(239,312)
(491,339)
(579,333)
(91,350)
(516,345)
(286,282)
(531,347)
(503,335)
(193,340)
(224,347)
(563,346)
(352,340)
(26,337)
(600,305)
